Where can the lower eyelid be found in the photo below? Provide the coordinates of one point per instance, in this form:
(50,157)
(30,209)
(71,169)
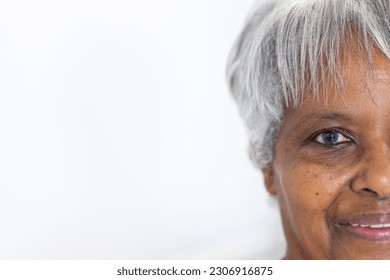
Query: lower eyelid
(343,139)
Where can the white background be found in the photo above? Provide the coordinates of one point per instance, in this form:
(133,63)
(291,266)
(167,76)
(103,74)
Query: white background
(119,139)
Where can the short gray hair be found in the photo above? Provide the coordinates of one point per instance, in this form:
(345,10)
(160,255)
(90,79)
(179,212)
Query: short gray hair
(289,48)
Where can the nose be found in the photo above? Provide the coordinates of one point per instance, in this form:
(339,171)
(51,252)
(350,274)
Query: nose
(374,175)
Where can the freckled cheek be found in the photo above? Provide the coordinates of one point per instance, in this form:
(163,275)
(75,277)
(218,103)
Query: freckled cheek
(310,187)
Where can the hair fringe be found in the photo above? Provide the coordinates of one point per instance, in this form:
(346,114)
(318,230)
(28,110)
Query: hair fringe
(292,48)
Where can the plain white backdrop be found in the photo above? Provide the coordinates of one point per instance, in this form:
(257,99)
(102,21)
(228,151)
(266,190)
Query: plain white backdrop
(119,139)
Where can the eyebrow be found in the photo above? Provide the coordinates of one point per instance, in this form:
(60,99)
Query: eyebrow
(328,116)
(315,117)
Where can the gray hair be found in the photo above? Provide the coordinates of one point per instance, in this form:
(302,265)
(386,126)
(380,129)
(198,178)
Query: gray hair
(291,47)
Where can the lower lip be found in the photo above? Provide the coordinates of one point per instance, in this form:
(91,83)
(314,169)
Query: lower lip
(378,234)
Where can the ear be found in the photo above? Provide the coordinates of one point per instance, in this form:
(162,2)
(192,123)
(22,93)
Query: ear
(269,179)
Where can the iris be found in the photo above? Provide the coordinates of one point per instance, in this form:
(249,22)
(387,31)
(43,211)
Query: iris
(330,137)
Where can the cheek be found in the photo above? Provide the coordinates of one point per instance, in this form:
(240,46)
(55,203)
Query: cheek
(307,191)
(307,186)
(306,194)
(311,181)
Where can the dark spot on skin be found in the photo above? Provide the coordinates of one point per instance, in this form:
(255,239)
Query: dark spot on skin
(317,193)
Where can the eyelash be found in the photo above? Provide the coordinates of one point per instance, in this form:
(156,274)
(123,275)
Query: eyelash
(343,132)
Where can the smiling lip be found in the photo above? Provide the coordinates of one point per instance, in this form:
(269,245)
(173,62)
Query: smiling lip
(374,227)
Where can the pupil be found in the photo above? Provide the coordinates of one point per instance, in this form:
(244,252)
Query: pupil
(330,137)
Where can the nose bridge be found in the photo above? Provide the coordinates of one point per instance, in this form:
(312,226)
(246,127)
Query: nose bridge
(375,173)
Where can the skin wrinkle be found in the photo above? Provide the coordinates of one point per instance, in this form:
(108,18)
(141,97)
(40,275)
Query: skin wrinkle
(317,186)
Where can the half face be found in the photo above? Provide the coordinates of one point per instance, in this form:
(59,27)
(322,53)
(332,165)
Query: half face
(331,170)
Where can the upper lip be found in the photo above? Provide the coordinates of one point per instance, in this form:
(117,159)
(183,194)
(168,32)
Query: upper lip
(366,219)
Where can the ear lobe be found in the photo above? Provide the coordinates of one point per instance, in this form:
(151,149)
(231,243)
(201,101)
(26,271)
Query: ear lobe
(268,179)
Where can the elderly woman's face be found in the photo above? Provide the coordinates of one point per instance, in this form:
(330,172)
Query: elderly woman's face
(331,170)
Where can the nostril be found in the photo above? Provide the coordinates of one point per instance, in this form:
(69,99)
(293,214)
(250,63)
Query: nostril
(373,180)
(369,190)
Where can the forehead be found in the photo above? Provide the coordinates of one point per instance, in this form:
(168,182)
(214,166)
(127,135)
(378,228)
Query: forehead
(365,90)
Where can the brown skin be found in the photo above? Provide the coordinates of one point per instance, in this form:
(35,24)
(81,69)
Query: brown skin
(318,185)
